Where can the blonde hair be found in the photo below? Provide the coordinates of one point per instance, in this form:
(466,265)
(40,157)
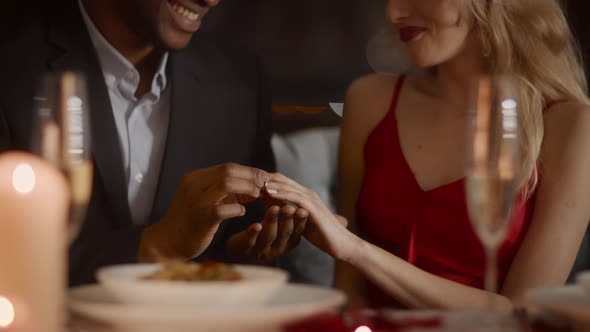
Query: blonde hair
(531,40)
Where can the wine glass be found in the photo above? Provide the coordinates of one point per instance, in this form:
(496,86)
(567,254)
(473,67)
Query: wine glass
(61,135)
(493,165)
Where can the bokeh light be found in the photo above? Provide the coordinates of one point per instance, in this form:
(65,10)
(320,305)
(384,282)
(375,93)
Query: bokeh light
(363,329)
(509,104)
(23,179)
(6,312)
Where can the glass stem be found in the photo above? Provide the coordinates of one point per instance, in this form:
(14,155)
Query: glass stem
(76,218)
(491,276)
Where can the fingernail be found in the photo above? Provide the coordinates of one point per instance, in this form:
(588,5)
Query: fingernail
(272,191)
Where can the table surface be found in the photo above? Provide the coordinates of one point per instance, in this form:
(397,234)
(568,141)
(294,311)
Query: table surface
(385,321)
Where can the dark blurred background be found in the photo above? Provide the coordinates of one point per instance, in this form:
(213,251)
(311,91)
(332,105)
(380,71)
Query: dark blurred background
(578,11)
(311,49)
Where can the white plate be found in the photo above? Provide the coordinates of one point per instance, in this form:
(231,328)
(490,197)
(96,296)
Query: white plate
(258,286)
(570,301)
(290,303)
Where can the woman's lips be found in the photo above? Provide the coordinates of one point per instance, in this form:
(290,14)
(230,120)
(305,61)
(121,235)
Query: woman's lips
(407,34)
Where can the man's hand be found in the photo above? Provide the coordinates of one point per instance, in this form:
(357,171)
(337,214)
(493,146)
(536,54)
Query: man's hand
(204,199)
(264,242)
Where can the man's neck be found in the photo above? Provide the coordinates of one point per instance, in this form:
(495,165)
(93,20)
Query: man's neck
(143,55)
(147,68)
(111,25)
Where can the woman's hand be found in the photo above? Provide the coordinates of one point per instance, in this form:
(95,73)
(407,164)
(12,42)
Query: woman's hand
(324,229)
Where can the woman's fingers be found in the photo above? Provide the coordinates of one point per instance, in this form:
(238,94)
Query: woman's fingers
(280,178)
(283,192)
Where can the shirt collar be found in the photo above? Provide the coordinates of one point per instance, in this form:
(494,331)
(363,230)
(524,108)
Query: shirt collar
(160,80)
(118,71)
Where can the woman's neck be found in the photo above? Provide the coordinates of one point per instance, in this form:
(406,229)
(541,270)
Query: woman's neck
(453,78)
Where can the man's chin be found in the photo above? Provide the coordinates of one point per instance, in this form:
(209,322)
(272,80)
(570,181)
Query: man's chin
(174,41)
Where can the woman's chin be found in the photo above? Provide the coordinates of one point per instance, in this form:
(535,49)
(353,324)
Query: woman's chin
(423,62)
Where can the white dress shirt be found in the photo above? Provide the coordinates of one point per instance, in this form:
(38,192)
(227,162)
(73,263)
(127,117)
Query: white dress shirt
(141,124)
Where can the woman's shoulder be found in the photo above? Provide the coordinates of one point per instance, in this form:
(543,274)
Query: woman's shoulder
(566,124)
(566,113)
(572,108)
(370,95)
(373,80)
(371,86)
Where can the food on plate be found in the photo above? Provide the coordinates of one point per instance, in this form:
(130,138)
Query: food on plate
(206,271)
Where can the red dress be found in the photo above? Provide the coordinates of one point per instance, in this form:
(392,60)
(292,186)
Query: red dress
(428,229)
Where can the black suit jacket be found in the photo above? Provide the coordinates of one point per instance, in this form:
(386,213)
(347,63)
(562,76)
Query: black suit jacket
(220,112)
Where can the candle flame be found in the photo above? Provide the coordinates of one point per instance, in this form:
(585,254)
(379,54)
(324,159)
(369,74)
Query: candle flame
(363,329)
(6,312)
(23,179)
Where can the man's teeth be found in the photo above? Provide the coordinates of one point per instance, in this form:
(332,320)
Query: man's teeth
(182,10)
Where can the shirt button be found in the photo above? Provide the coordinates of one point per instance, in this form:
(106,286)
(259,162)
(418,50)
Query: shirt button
(139,177)
(110,79)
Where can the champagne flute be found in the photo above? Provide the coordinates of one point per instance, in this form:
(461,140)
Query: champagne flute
(62,136)
(493,165)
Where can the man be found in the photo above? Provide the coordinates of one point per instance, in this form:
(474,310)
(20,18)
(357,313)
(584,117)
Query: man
(170,109)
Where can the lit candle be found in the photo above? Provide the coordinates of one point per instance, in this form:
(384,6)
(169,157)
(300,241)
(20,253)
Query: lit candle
(14,315)
(33,218)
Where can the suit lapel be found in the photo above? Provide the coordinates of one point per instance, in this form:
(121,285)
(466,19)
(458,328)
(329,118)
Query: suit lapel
(189,134)
(74,51)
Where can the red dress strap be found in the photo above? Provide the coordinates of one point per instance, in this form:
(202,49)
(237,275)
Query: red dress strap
(552,103)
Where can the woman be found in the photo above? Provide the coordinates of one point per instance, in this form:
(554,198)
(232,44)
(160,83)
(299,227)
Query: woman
(401,153)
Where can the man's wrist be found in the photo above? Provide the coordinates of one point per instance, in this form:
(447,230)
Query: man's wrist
(147,246)
(154,245)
